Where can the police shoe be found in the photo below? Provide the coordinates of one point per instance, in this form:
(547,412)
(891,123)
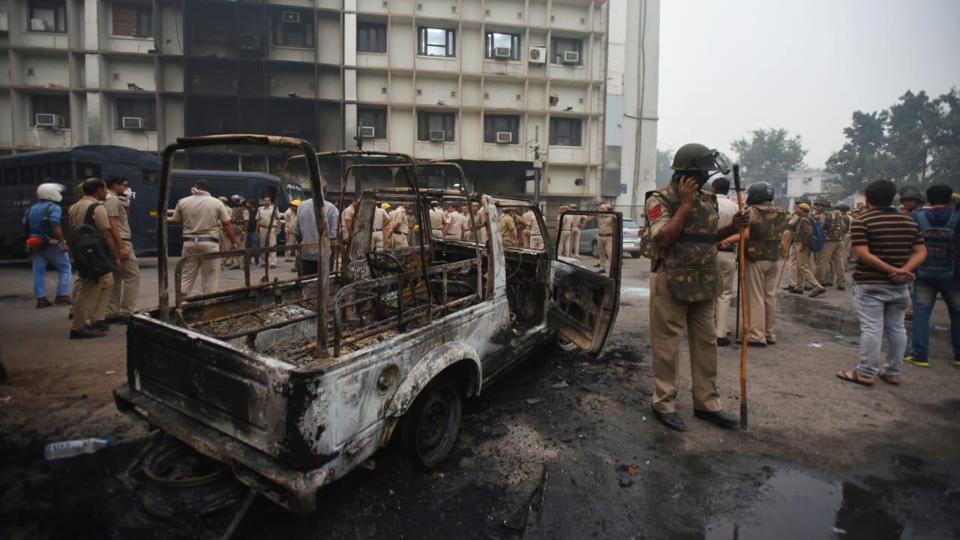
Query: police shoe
(100,326)
(85,333)
(723,342)
(818,292)
(62,300)
(719,418)
(671,420)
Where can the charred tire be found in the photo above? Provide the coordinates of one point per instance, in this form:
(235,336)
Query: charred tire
(431,426)
(595,249)
(564,345)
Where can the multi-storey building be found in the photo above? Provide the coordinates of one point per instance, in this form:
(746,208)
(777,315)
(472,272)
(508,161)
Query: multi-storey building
(507,88)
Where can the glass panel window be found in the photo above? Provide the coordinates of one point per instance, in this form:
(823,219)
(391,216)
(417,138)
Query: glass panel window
(501,123)
(373,117)
(293,29)
(132,20)
(46,104)
(566,131)
(436,42)
(142,112)
(48,16)
(562,46)
(371,37)
(498,43)
(436,122)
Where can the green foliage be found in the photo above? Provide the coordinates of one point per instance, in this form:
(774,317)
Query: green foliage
(916,141)
(767,156)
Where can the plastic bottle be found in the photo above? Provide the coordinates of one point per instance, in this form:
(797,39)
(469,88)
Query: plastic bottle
(65,449)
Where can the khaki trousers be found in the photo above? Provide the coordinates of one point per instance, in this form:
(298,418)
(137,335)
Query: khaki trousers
(605,247)
(564,243)
(377,238)
(400,240)
(525,237)
(271,258)
(829,261)
(93,295)
(208,270)
(575,242)
(803,276)
(126,285)
(728,272)
(669,320)
(761,278)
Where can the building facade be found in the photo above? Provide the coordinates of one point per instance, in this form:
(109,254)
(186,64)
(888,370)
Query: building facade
(506,88)
(811,183)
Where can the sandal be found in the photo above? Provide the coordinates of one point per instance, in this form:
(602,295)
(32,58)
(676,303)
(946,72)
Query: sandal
(855,377)
(891,379)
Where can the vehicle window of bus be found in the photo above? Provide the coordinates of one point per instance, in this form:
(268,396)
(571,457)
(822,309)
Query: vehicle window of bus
(86,170)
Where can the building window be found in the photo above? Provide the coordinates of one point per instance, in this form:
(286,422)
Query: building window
(494,124)
(566,131)
(373,117)
(293,29)
(432,123)
(47,104)
(371,37)
(132,20)
(563,49)
(436,42)
(49,16)
(136,114)
(502,46)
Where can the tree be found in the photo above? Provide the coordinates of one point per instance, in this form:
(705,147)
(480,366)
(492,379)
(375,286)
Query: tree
(664,160)
(945,151)
(910,129)
(863,157)
(768,155)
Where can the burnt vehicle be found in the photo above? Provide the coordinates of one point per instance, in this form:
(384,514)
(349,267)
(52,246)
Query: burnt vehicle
(295,382)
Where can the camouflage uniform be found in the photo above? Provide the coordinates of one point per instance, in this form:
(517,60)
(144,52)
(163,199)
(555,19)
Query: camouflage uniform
(803,275)
(829,260)
(767,224)
(683,293)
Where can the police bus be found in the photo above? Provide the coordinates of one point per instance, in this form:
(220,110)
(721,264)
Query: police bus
(20,174)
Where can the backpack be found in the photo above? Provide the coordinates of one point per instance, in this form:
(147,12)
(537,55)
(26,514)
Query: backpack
(44,224)
(91,257)
(817,239)
(941,246)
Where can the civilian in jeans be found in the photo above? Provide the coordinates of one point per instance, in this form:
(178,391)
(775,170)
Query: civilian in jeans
(940,228)
(888,247)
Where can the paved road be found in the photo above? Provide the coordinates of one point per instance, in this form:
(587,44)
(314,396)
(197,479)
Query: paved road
(580,461)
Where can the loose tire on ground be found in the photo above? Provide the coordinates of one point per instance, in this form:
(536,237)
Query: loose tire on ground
(430,428)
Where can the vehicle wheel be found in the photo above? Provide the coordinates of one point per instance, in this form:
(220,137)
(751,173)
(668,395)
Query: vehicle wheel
(595,250)
(565,346)
(430,428)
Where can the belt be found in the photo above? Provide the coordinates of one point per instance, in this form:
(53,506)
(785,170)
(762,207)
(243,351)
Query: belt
(399,232)
(611,234)
(201,239)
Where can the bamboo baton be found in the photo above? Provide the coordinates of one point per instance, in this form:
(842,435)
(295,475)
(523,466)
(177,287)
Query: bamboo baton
(745,304)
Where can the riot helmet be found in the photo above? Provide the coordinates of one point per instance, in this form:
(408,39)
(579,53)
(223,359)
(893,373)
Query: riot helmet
(759,192)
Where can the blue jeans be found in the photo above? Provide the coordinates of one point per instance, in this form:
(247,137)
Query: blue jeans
(253,242)
(41,259)
(924,297)
(881,309)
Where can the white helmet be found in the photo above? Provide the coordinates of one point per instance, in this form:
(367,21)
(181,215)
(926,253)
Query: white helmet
(50,192)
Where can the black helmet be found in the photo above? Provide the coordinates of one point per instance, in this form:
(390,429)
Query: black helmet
(759,192)
(697,157)
(843,207)
(822,201)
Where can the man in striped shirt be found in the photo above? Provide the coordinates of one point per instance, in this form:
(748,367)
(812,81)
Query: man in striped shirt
(888,248)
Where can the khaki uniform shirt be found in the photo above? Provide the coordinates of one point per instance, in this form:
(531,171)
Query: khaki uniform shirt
(456,224)
(263,217)
(380,218)
(508,229)
(529,220)
(347,219)
(398,218)
(605,225)
(436,218)
(567,223)
(200,215)
(115,209)
(78,212)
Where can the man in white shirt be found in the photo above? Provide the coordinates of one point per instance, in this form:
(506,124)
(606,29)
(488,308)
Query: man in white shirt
(264,214)
(725,257)
(289,223)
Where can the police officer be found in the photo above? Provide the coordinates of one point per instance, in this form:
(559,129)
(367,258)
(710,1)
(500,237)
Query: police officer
(399,227)
(803,235)
(792,271)
(685,285)
(845,221)
(126,280)
(202,217)
(508,228)
(436,220)
(767,224)
(824,259)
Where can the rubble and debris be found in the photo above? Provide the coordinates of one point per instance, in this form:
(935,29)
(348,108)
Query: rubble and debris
(533,401)
(560,385)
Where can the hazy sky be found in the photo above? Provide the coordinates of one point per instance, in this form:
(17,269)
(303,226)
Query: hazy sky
(730,66)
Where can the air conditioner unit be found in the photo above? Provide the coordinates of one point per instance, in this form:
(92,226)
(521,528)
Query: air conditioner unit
(38,25)
(292,17)
(249,42)
(437,135)
(501,52)
(131,122)
(47,120)
(537,55)
(367,132)
(504,137)
(571,57)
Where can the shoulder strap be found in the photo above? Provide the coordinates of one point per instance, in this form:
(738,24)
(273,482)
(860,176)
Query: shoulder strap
(88,217)
(921,218)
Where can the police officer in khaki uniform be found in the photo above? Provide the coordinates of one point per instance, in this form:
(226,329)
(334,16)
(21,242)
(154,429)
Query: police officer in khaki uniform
(238,217)
(126,280)
(685,285)
(575,229)
(605,225)
(93,294)
(508,228)
(400,227)
(802,236)
(202,217)
(767,224)
(381,221)
(436,220)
